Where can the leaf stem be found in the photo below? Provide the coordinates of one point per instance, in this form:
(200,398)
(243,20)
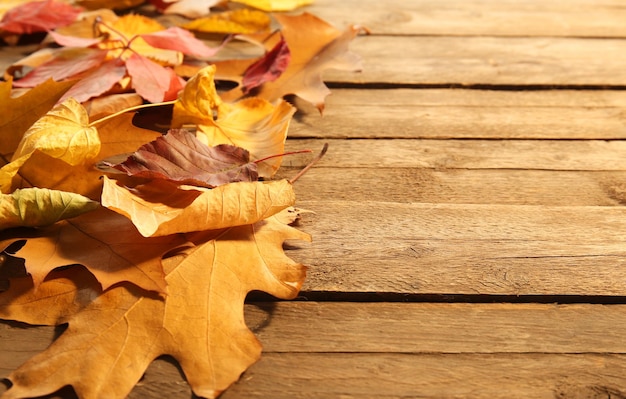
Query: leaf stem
(125,110)
(310,165)
(258,161)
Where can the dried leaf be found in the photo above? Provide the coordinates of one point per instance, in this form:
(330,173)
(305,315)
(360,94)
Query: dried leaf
(63,133)
(178,39)
(98,82)
(275,5)
(19,113)
(113,4)
(233,22)
(200,324)
(38,16)
(253,123)
(117,136)
(181,158)
(188,8)
(160,208)
(34,207)
(149,79)
(106,243)
(315,47)
(268,68)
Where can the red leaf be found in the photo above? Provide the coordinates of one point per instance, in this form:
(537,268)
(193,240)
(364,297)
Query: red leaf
(268,68)
(179,40)
(72,41)
(98,82)
(65,65)
(149,79)
(39,16)
(176,85)
(181,158)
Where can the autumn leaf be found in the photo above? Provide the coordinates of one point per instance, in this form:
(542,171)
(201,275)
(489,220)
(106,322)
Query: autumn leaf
(181,158)
(253,123)
(178,39)
(234,22)
(315,47)
(275,5)
(112,4)
(188,8)
(268,68)
(63,133)
(106,243)
(38,16)
(19,113)
(201,325)
(159,208)
(34,207)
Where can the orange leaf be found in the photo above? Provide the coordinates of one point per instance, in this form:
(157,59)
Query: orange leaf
(200,322)
(236,21)
(161,208)
(107,244)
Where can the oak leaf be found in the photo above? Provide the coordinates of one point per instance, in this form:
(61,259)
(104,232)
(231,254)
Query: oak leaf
(181,158)
(160,208)
(200,324)
(41,207)
(106,243)
(253,123)
(315,47)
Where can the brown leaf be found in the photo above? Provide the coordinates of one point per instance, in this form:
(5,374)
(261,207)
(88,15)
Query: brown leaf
(181,158)
(106,243)
(315,47)
(200,322)
(160,208)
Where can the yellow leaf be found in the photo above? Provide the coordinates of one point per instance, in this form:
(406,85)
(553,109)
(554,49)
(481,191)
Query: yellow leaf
(253,123)
(19,113)
(200,322)
(275,5)
(63,133)
(161,208)
(41,207)
(233,22)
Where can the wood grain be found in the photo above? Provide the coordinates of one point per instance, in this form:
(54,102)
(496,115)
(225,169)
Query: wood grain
(456,113)
(424,248)
(580,18)
(462,186)
(564,155)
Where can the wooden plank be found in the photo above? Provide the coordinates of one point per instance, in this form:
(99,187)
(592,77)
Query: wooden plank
(487,61)
(450,113)
(589,155)
(433,376)
(460,186)
(479,17)
(362,246)
(297,334)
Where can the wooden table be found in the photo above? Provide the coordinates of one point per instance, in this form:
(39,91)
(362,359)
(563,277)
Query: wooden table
(468,218)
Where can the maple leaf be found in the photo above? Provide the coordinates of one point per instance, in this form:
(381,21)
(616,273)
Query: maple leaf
(315,47)
(88,240)
(253,123)
(38,16)
(19,113)
(201,325)
(181,158)
(233,22)
(41,207)
(160,208)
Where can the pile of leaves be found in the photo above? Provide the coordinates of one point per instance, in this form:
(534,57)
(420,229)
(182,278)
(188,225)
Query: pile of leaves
(146,240)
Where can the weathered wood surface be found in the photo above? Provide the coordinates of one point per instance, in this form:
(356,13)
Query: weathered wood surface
(512,186)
